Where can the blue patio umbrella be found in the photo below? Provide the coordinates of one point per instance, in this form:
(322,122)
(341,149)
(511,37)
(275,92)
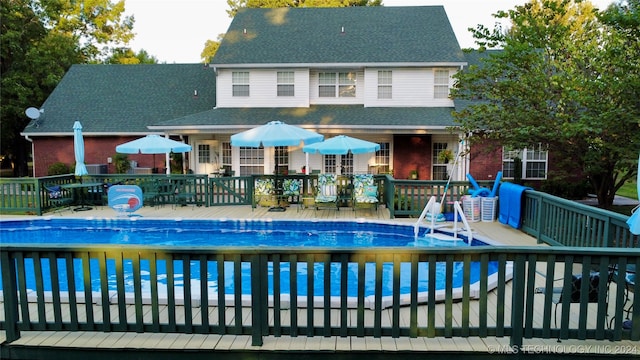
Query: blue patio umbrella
(275,133)
(634,219)
(78,149)
(341,145)
(153,144)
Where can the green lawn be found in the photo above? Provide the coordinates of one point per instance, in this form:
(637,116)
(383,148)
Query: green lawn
(629,189)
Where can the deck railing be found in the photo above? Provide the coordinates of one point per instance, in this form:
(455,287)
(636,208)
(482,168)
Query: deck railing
(188,303)
(550,219)
(558,221)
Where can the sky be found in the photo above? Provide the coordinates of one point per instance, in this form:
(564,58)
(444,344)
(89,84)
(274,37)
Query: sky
(175,31)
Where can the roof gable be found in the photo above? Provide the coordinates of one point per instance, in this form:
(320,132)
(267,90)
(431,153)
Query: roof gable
(369,34)
(125,98)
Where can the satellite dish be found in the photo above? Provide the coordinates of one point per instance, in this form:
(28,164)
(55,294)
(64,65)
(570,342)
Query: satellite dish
(33,113)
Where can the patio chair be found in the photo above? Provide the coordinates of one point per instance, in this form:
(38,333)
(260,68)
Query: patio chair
(264,193)
(59,198)
(629,285)
(327,191)
(150,192)
(105,191)
(365,192)
(291,189)
(185,194)
(557,293)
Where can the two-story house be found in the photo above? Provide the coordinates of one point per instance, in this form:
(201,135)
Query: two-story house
(381,74)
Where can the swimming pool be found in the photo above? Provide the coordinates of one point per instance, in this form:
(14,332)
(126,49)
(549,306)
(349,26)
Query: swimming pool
(235,233)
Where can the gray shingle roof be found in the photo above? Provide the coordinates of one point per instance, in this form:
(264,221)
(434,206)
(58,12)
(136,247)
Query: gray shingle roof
(318,116)
(125,98)
(374,34)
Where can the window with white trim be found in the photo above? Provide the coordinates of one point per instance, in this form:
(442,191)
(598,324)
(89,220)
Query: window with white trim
(534,163)
(441,84)
(345,165)
(340,84)
(251,161)
(204,153)
(286,80)
(240,83)
(282,156)
(330,164)
(384,84)
(438,167)
(227,157)
(382,158)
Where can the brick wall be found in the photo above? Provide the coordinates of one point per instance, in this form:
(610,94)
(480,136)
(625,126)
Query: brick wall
(412,152)
(484,164)
(49,150)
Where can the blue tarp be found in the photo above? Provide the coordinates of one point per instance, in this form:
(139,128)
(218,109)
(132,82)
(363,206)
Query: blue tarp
(510,205)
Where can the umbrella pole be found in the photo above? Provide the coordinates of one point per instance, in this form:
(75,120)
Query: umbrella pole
(278,207)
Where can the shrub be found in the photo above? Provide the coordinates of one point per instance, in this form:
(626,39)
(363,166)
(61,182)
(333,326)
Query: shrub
(572,190)
(121,163)
(58,168)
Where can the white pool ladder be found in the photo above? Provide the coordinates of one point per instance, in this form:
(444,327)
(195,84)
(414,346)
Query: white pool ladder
(433,210)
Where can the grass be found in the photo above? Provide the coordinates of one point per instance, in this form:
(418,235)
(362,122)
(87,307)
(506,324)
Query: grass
(629,189)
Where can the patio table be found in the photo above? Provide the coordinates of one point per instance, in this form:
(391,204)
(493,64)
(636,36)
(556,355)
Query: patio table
(81,188)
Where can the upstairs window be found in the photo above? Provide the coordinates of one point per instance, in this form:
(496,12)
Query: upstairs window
(286,83)
(240,81)
(384,84)
(441,84)
(340,84)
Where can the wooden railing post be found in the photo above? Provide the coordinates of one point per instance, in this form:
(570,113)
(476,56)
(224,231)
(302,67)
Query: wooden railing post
(517,305)
(10,292)
(258,300)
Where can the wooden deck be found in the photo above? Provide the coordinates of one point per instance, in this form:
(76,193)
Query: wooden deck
(65,344)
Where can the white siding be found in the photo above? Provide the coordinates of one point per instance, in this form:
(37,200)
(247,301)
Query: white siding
(411,88)
(262,89)
(316,100)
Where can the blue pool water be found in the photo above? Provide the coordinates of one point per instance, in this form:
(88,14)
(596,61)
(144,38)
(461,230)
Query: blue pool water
(236,233)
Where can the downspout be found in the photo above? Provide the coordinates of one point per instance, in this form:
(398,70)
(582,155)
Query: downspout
(33,168)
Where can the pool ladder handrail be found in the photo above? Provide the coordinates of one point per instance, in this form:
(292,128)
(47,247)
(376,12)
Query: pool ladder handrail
(427,208)
(433,207)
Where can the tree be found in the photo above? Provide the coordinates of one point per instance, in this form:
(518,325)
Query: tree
(126,56)
(210,49)
(40,41)
(559,80)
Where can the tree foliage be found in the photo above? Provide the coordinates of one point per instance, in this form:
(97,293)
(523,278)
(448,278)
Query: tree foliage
(40,40)
(563,78)
(210,49)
